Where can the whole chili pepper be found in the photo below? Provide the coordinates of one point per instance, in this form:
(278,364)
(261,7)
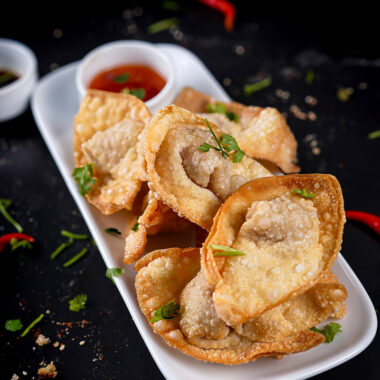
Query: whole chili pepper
(6,239)
(370,220)
(226,8)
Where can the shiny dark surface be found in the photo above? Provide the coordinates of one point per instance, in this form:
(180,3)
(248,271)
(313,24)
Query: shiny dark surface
(280,40)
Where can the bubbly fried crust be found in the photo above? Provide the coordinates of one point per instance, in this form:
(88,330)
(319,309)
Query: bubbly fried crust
(161,277)
(107,133)
(236,302)
(262,133)
(191,182)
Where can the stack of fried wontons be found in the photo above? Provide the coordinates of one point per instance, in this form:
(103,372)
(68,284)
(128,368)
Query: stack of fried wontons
(262,277)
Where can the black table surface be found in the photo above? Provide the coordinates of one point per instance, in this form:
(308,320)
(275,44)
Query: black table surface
(282,41)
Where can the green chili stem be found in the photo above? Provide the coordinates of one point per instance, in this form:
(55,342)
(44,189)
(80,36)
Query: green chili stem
(73,236)
(75,258)
(38,319)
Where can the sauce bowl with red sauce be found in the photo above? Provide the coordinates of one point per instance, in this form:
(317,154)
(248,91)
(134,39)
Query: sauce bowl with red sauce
(132,67)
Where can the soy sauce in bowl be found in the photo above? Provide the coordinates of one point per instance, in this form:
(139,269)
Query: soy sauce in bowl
(139,80)
(7,77)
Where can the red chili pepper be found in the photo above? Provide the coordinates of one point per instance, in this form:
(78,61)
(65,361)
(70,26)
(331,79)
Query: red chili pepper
(370,220)
(226,8)
(6,239)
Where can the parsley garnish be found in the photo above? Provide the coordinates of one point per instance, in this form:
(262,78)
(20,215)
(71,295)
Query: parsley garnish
(162,25)
(329,331)
(78,303)
(222,250)
(16,244)
(374,134)
(84,177)
(38,319)
(303,193)
(112,230)
(309,78)
(138,92)
(221,108)
(135,227)
(168,311)
(75,258)
(4,204)
(226,144)
(13,325)
(114,272)
(121,78)
(254,87)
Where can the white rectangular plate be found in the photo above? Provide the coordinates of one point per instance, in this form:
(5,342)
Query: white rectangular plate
(54,104)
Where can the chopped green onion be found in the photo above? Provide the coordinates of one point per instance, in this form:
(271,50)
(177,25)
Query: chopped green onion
(304,194)
(38,319)
(4,204)
(61,248)
(254,87)
(374,134)
(73,236)
(309,78)
(222,250)
(162,25)
(170,5)
(75,258)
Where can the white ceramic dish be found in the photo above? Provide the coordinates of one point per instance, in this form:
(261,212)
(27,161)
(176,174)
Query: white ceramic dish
(18,58)
(128,52)
(54,105)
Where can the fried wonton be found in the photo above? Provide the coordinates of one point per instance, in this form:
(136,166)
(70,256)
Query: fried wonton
(157,217)
(192,182)
(288,242)
(261,133)
(161,278)
(107,132)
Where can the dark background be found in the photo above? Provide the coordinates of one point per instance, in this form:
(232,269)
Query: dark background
(281,39)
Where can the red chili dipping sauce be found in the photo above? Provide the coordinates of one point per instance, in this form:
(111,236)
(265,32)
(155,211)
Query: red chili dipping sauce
(138,80)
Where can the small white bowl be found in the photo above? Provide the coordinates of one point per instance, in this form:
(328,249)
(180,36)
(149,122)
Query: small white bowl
(128,52)
(17,57)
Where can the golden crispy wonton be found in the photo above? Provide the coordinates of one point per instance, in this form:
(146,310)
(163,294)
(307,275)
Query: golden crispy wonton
(288,241)
(262,133)
(192,182)
(107,133)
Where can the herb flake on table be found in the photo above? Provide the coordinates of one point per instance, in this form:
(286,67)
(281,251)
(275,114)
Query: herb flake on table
(168,311)
(61,248)
(73,236)
(13,325)
(374,135)
(162,25)
(78,303)
(114,272)
(344,93)
(329,331)
(223,250)
(37,320)
(84,176)
(75,258)
(303,193)
(221,108)
(257,86)
(4,204)
(309,77)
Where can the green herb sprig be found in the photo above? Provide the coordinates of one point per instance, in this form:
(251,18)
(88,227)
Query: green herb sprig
(78,303)
(221,108)
(4,204)
(84,177)
(13,325)
(222,250)
(168,311)
(303,193)
(329,331)
(114,272)
(225,145)
(140,93)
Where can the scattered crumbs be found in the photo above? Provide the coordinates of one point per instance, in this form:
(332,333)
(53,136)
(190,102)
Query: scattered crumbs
(42,340)
(311,139)
(15,377)
(55,344)
(62,347)
(227,81)
(299,114)
(239,49)
(57,33)
(282,94)
(363,86)
(82,342)
(311,100)
(24,373)
(316,151)
(312,116)
(47,311)
(34,348)
(48,371)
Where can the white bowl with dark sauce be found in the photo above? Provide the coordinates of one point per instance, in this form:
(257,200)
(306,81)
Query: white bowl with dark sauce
(18,76)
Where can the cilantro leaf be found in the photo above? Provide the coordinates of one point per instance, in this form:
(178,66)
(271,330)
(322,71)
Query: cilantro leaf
(84,177)
(114,272)
(78,303)
(303,193)
(329,331)
(230,144)
(139,93)
(13,325)
(221,108)
(112,230)
(135,227)
(121,78)
(222,250)
(168,311)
